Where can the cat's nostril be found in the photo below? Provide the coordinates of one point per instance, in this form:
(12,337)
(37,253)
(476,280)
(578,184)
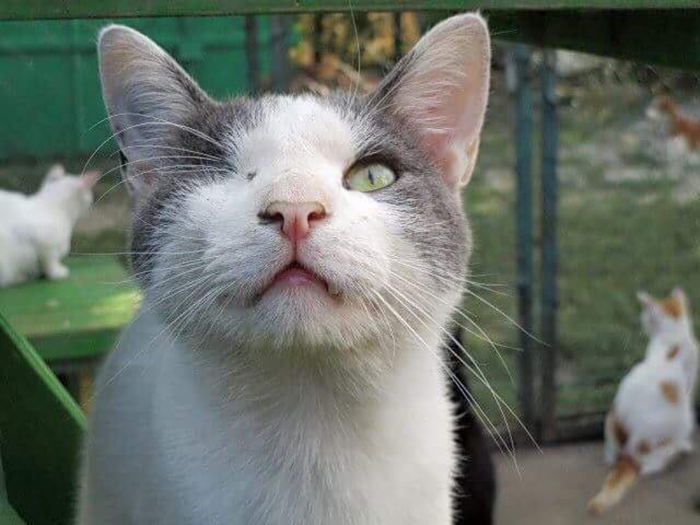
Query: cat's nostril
(269,217)
(318,214)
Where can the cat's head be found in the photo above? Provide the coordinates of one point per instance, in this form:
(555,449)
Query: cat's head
(669,315)
(296,219)
(75,191)
(661,108)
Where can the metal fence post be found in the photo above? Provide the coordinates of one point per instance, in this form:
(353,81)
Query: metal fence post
(318,38)
(550,254)
(251,51)
(524,229)
(398,36)
(279,32)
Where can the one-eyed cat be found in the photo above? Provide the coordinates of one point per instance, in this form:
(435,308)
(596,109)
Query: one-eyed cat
(36,230)
(652,418)
(300,257)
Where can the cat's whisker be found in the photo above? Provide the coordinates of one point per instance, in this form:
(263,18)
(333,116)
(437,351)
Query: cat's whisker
(475,369)
(448,277)
(199,154)
(189,266)
(155,252)
(505,315)
(445,368)
(358,47)
(498,310)
(151,159)
(173,292)
(481,335)
(144,348)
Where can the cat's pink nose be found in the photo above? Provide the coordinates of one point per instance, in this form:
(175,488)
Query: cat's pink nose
(296,218)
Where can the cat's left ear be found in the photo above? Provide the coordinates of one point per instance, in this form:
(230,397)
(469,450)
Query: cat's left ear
(55,172)
(147,96)
(646,299)
(440,88)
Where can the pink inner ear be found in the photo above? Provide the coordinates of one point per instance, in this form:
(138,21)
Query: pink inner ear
(89,178)
(437,147)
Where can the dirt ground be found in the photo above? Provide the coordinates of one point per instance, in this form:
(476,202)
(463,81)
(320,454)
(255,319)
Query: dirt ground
(554,487)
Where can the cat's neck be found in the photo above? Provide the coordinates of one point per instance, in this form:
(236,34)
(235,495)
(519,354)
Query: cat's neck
(678,334)
(278,382)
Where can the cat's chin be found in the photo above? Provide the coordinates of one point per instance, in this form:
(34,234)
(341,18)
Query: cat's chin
(296,315)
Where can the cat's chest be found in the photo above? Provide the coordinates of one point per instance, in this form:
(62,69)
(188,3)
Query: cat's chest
(304,464)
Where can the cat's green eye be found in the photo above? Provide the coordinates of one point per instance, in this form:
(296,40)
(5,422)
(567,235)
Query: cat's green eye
(370,177)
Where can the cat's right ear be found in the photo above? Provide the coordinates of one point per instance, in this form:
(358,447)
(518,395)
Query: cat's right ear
(146,94)
(440,89)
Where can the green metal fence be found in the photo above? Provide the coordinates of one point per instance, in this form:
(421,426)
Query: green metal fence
(49,87)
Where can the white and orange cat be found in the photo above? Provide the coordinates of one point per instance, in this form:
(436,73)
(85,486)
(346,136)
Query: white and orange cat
(652,418)
(682,131)
(36,230)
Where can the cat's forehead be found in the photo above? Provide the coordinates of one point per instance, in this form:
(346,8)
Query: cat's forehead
(289,127)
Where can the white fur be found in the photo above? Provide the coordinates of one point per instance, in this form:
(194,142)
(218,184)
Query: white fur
(221,406)
(640,405)
(35,230)
(367,442)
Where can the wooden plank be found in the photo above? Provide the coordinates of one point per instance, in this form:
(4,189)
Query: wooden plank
(650,31)
(40,430)
(77,317)
(670,38)
(8,516)
(38,9)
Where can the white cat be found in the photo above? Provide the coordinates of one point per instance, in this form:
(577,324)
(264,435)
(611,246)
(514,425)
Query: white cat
(300,258)
(35,230)
(652,418)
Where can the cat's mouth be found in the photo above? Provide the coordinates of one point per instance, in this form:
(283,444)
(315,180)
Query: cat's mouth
(297,276)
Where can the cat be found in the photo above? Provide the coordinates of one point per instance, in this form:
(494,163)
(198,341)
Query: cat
(683,132)
(300,258)
(475,491)
(35,230)
(652,418)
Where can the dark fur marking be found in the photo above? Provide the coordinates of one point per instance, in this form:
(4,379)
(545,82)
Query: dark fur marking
(673,352)
(475,494)
(621,433)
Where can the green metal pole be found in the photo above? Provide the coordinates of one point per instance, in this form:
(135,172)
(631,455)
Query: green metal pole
(280,62)
(251,51)
(550,248)
(524,228)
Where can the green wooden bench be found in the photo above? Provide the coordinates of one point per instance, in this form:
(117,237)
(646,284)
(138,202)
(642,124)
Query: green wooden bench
(40,430)
(39,423)
(77,318)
